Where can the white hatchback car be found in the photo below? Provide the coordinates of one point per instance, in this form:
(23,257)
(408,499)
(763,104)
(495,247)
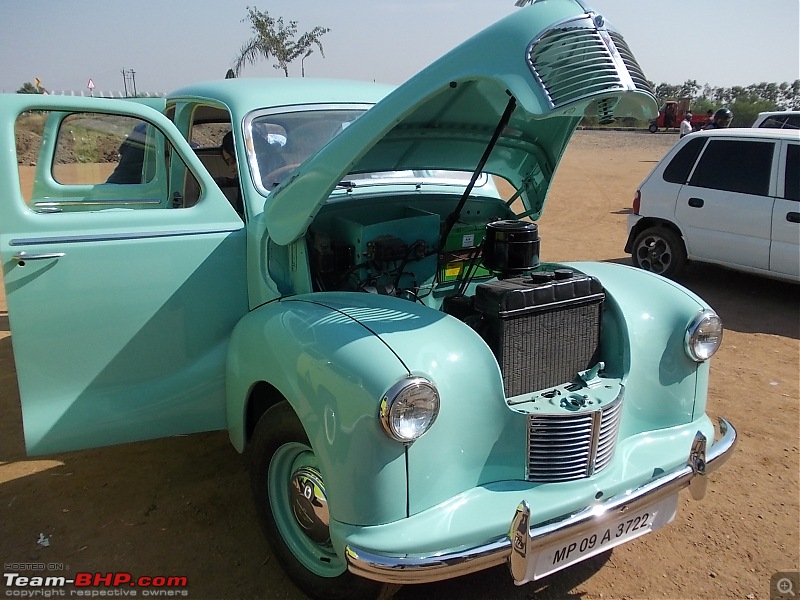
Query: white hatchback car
(727,196)
(786,119)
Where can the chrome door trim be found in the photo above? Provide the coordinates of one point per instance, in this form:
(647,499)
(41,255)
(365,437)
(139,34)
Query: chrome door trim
(113,237)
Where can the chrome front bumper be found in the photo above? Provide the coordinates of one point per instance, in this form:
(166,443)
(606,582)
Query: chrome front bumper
(514,547)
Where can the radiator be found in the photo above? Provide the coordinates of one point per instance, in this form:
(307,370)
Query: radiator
(543,329)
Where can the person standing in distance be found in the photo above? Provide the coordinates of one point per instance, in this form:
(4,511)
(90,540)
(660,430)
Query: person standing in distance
(722,119)
(686,125)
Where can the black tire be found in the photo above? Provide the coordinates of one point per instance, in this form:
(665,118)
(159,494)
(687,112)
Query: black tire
(659,250)
(653,128)
(281,454)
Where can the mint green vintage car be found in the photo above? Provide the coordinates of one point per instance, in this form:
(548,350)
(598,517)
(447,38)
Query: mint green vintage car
(353,290)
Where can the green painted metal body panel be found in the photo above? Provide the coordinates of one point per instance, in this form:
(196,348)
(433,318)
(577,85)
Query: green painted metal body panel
(480,515)
(106,339)
(334,371)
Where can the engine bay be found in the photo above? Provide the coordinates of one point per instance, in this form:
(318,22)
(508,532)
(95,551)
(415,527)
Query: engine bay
(541,321)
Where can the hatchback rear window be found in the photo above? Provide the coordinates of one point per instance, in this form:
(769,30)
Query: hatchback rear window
(735,166)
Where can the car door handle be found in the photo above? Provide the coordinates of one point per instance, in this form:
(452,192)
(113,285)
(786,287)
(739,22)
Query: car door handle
(793,217)
(21,257)
(696,202)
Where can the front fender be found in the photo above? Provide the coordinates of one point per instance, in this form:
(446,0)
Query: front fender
(644,325)
(476,438)
(333,371)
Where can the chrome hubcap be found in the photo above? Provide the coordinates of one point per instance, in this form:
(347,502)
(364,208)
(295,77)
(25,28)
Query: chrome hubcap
(309,504)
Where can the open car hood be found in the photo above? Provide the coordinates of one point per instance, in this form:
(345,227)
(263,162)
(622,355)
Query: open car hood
(528,80)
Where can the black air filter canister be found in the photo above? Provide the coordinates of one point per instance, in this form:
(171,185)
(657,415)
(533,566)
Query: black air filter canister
(511,247)
(543,329)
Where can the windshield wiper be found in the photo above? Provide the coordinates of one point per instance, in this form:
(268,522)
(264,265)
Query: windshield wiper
(346,184)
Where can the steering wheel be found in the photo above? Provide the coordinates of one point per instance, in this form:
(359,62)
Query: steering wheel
(273,178)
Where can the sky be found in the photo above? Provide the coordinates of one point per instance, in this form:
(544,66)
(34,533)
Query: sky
(171,43)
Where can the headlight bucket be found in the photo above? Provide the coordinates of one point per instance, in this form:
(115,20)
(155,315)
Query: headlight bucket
(703,336)
(409,409)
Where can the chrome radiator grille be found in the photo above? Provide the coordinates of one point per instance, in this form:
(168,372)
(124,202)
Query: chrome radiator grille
(565,447)
(578,61)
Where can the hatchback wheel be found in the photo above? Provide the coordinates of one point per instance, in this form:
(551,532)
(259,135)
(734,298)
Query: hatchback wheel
(659,250)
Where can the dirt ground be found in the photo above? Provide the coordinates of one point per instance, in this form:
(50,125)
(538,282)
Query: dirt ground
(182,506)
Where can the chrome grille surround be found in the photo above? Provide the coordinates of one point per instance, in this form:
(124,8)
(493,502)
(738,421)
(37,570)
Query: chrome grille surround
(635,71)
(570,446)
(581,58)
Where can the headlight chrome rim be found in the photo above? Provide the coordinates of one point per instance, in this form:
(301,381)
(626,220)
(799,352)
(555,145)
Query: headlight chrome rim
(397,399)
(704,336)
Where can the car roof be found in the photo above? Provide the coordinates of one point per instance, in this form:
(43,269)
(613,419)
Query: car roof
(245,94)
(748,133)
(778,113)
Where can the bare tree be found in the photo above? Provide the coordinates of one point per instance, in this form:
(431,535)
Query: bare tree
(275,39)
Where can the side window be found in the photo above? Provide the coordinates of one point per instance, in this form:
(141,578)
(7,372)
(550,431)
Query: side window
(735,166)
(680,166)
(209,135)
(773,122)
(95,148)
(781,122)
(95,161)
(791,190)
(792,122)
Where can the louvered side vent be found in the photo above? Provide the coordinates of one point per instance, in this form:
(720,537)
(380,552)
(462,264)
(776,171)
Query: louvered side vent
(573,63)
(636,73)
(572,446)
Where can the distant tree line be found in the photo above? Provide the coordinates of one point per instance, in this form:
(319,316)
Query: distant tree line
(744,102)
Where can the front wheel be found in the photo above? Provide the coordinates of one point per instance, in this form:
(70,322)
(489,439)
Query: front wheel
(653,127)
(659,250)
(292,508)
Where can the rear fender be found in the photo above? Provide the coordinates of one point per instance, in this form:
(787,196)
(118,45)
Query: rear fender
(646,223)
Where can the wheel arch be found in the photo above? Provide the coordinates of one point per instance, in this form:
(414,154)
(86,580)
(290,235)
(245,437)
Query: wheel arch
(647,223)
(263,396)
(312,357)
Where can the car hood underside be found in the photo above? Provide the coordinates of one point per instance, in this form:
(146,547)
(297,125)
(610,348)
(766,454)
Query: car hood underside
(506,101)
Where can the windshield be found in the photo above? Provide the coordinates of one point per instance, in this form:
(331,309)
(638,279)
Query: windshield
(281,141)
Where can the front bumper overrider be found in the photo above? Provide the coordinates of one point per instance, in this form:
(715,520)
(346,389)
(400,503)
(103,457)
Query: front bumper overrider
(515,548)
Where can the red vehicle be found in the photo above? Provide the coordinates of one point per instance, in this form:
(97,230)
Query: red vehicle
(672,113)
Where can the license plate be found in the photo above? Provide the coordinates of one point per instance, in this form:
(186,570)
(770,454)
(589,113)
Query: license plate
(628,526)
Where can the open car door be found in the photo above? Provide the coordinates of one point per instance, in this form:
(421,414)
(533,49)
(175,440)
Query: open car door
(123,282)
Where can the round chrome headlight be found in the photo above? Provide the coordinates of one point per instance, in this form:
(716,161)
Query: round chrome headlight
(409,408)
(703,336)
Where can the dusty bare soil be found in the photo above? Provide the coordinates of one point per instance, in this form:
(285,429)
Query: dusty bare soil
(182,506)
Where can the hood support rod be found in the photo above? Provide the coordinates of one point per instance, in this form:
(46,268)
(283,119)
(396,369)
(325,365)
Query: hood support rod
(453,217)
